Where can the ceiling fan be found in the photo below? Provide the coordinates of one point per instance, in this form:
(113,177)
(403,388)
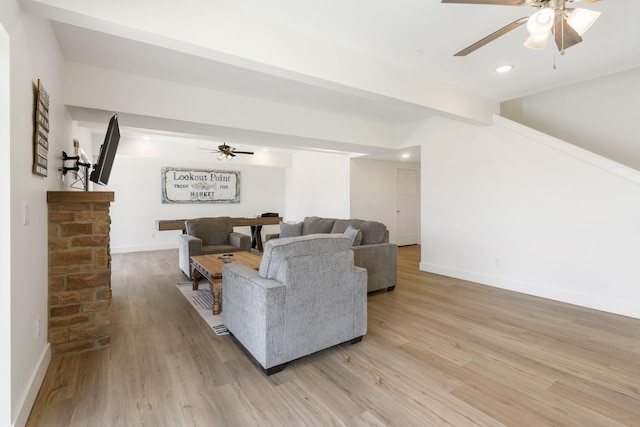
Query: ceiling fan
(567,24)
(226,152)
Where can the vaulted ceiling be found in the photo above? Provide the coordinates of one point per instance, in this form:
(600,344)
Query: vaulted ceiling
(383,61)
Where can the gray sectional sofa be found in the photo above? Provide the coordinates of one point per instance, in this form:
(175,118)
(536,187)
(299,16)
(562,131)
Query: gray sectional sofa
(371,247)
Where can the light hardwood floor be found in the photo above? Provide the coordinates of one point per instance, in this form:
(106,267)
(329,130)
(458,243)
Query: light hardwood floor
(438,352)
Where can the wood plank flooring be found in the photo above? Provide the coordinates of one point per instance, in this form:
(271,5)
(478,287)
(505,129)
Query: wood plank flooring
(438,352)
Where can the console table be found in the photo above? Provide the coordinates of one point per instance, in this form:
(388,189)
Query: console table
(255,224)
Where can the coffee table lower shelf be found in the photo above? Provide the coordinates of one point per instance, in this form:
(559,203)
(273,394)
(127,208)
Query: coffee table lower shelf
(210,268)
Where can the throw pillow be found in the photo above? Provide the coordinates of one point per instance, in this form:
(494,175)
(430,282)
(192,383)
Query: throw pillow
(290,230)
(354,234)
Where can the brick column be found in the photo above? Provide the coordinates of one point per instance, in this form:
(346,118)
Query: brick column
(79,271)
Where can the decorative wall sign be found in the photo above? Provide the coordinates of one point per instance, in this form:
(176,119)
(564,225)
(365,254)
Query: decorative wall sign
(200,186)
(41,132)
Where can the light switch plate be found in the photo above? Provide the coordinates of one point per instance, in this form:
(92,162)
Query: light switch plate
(27,214)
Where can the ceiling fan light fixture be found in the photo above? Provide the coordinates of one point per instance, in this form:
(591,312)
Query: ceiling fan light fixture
(537,41)
(582,19)
(552,17)
(541,21)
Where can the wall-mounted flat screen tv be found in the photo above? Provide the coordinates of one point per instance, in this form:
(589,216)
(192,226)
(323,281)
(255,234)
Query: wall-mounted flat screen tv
(102,169)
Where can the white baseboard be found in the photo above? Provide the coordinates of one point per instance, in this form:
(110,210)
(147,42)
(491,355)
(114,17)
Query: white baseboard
(29,397)
(596,302)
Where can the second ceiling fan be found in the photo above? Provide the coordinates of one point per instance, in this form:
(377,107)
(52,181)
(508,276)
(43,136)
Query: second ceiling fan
(227,152)
(567,24)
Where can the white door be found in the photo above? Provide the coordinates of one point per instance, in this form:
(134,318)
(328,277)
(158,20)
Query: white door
(408,207)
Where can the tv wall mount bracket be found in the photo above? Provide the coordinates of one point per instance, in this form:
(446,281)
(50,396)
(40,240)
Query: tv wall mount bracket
(83,178)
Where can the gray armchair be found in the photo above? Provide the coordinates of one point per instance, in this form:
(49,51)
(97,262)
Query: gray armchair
(306,296)
(209,236)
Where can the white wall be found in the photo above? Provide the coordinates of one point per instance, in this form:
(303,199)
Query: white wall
(305,184)
(600,115)
(317,184)
(34,54)
(313,183)
(136,181)
(84,138)
(510,207)
(5,241)
(374,191)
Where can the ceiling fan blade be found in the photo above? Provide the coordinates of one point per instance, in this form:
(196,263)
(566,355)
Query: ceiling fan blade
(498,2)
(243,152)
(491,37)
(565,35)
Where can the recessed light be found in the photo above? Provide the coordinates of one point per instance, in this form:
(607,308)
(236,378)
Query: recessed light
(406,156)
(504,69)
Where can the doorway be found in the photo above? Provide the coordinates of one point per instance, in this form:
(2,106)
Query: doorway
(408,207)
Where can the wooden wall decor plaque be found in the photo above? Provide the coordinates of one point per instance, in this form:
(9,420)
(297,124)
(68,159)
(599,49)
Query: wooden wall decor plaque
(200,186)
(41,132)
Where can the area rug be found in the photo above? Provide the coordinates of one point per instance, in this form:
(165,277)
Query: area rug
(202,301)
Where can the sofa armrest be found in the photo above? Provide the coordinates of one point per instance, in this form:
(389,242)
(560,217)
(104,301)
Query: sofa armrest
(270,236)
(188,246)
(253,311)
(240,240)
(381,262)
(237,271)
(360,302)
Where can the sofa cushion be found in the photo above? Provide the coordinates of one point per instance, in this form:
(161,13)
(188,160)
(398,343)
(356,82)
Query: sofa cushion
(341,225)
(212,231)
(276,250)
(354,234)
(219,249)
(290,230)
(317,225)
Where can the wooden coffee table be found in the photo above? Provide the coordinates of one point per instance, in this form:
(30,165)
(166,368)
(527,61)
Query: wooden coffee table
(210,267)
